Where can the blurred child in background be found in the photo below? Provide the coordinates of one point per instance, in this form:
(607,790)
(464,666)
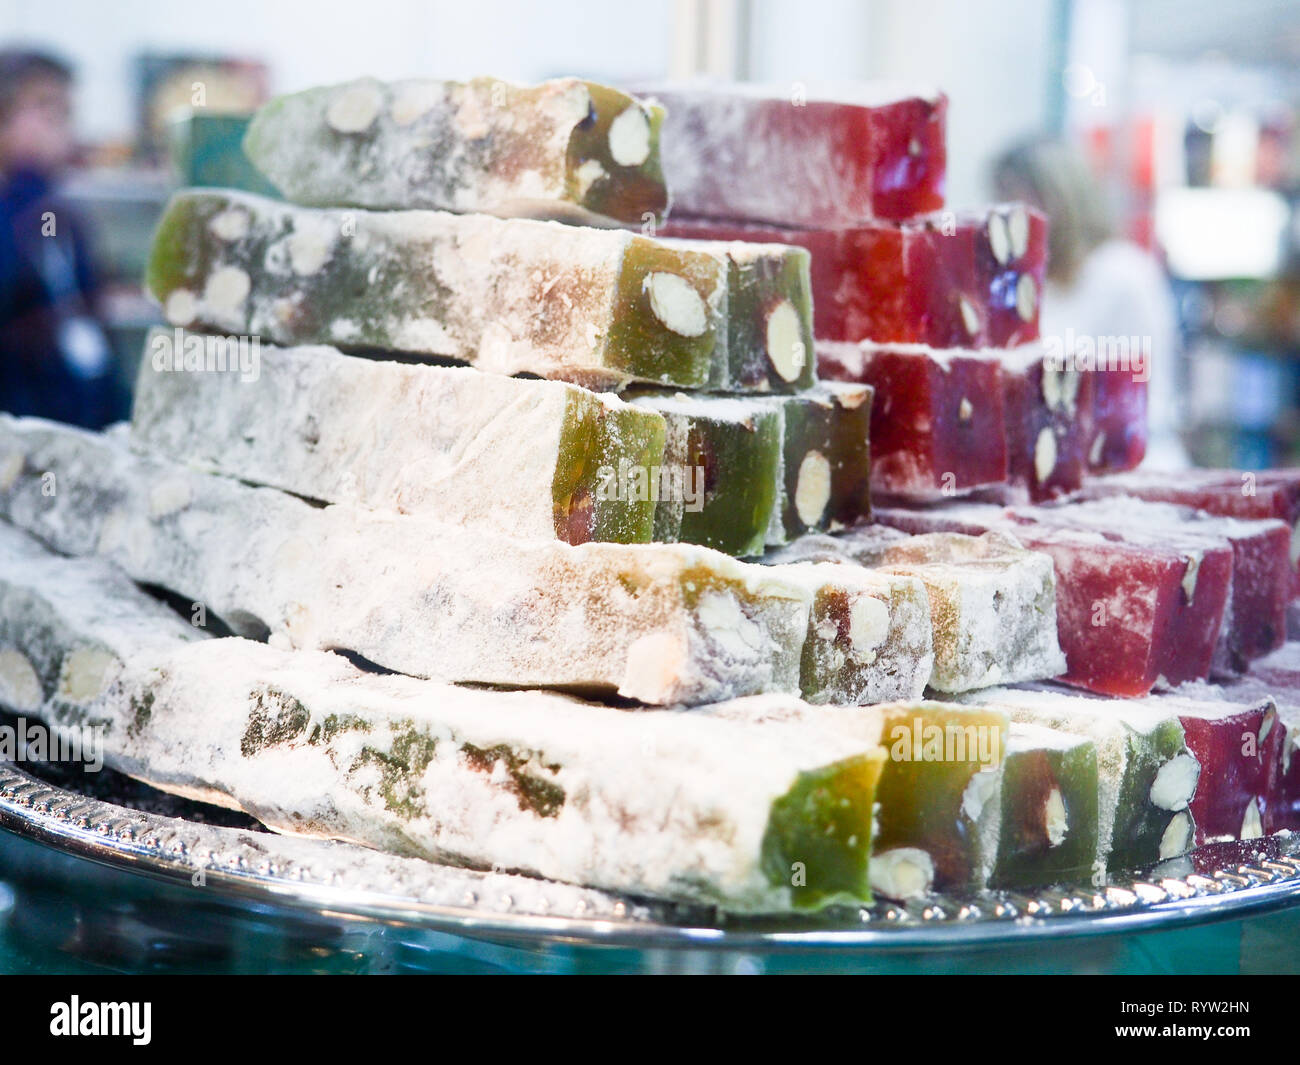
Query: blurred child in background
(55,360)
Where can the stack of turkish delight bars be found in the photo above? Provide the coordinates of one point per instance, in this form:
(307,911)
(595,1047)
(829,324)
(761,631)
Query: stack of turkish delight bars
(475,509)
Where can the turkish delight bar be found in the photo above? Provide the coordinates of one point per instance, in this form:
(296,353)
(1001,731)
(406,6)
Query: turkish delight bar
(67,625)
(1147,776)
(657,623)
(938,424)
(1046,810)
(725,454)
(769,316)
(1133,609)
(434,440)
(869,638)
(992,603)
(1048,413)
(1261,564)
(1243,494)
(784,156)
(671,804)
(1237,744)
(602,308)
(565,149)
(1277,676)
(825,479)
(972,280)
(1119,419)
(928,836)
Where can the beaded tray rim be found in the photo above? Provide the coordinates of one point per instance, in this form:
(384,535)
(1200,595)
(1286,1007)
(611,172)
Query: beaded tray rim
(349,882)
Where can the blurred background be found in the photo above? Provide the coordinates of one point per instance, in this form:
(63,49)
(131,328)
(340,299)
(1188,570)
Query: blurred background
(1160,133)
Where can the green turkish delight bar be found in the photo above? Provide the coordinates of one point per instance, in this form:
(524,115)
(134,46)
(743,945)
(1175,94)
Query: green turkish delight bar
(1148,777)
(663,624)
(1046,824)
(435,440)
(769,316)
(722,456)
(566,148)
(936,754)
(825,480)
(602,308)
(672,804)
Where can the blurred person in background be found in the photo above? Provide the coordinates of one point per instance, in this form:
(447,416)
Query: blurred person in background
(55,359)
(1099,285)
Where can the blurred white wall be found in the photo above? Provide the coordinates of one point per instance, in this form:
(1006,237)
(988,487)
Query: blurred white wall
(991,56)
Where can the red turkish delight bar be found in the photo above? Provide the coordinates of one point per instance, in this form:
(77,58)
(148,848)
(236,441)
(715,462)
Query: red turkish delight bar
(1048,412)
(1119,420)
(1261,565)
(937,424)
(1133,609)
(785,155)
(948,280)
(1277,676)
(1237,744)
(1231,493)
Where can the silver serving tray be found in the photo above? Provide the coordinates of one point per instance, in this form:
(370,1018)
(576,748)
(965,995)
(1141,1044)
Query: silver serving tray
(343,881)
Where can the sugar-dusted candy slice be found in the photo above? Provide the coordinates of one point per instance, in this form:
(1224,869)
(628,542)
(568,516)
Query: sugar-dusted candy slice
(825,480)
(597,307)
(669,804)
(659,623)
(769,316)
(1237,744)
(1147,776)
(724,455)
(1048,411)
(1133,609)
(929,832)
(869,638)
(1261,566)
(1046,826)
(774,155)
(435,440)
(68,624)
(967,280)
(565,148)
(938,426)
(1231,493)
(992,603)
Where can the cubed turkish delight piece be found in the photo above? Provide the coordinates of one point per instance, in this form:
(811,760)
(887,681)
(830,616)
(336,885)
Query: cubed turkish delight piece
(938,426)
(729,454)
(1048,419)
(825,480)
